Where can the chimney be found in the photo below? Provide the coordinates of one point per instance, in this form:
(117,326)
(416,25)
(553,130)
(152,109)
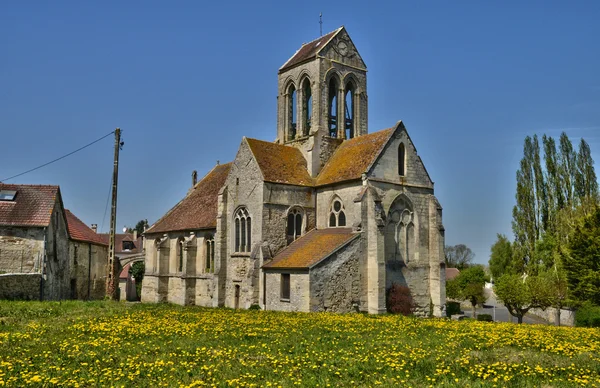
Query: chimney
(194,178)
(95,228)
(135,235)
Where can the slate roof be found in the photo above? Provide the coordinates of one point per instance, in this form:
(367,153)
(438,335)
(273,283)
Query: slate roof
(309,50)
(198,210)
(353,157)
(32,205)
(79,231)
(310,249)
(280,164)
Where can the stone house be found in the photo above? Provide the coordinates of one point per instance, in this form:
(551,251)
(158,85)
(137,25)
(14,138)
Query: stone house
(34,243)
(88,254)
(326,218)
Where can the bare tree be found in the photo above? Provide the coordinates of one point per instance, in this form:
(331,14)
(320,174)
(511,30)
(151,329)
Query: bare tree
(459,256)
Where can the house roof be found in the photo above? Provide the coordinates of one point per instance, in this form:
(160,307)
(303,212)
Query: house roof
(79,231)
(280,164)
(119,238)
(310,249)
(31,206)
(125,272)
(198,210)
(309,50)
(354,157)
(452,273)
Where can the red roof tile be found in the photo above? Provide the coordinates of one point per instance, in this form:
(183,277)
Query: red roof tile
(309,50)
(280,163)
(32,205)
(452,273)
(198,210)
(119,238)
(311,248)
(125,272)
(354,157)
(79,231)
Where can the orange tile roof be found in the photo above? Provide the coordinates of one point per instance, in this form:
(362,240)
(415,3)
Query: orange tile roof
(309,50)
(79,231)
(311,248)
(280,163)
(32,205)
(119,238)
(198,210)
(353,157)
(452,273)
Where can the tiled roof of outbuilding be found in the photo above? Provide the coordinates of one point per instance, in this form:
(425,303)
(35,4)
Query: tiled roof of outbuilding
(198,210)
(310,249)
(309,50)
(353,157)
(79,231)
(32,205)
(280,163)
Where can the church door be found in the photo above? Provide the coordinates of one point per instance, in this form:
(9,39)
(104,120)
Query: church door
(237,296)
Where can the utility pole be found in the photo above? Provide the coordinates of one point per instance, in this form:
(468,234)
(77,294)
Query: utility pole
(113,265)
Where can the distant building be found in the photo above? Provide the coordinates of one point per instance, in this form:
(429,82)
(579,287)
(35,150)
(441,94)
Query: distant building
(88,260)
(326,218)
(128,250)
(451,273)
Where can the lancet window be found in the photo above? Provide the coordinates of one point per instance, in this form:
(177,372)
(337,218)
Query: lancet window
(401,160)
(243,230)
(349,113)
(209,247)
(292,107)
(307,109)
(294,224)
(333,107)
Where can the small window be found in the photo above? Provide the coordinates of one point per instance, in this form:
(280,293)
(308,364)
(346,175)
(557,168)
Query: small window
(128,245)
(294,224)
(337,216)
(7,195)
(285,286)
(401,159)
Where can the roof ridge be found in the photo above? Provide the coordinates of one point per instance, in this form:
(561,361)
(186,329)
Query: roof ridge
(321,37)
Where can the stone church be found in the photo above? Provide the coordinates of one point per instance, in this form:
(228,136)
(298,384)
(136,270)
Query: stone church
(326,218)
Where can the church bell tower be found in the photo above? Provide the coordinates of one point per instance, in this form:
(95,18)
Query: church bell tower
(322,97)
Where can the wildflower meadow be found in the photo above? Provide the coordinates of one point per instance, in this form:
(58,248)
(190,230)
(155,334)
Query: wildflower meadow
(116,344)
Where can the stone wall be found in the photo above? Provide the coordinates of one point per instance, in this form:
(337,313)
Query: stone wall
(88,282)
(335,283)
(299,291)
(21,249)
(20,286)
(567,317)
(347,192)
(57,265)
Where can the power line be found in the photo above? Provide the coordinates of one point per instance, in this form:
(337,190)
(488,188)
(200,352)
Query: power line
(57,159)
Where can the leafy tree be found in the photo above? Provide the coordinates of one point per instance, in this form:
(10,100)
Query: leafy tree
(468,285)
(522,293)
(140,227)
(137,271)
(458,256)
(582,264)
(501,257)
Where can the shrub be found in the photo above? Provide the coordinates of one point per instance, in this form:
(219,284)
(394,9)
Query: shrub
(485,318)
(399,300)
(254,307)
(588,315)
(452,308)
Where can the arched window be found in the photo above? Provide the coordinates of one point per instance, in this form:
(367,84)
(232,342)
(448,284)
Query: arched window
(349,110)
(307,113)
(243,230)
(401,159)
(210,254)
(333,102)
(337,217)
(294,224)
(293,103)
(180,247)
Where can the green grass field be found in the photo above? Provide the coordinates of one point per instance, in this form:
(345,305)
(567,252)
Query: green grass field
(114,344)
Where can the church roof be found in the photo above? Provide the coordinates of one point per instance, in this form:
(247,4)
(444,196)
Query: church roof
(198,210)
(354,157)
(27,205)
(79,231)
(280,164)
(312,248)
(309,50)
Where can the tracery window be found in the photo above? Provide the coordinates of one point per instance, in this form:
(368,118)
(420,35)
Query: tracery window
(403,220)
(401,159)
(333,111)
(337,216)
(294,224)
(307,110)
(209,247)
(243,230)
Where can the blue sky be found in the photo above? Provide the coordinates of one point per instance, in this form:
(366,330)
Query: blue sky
(186,80)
